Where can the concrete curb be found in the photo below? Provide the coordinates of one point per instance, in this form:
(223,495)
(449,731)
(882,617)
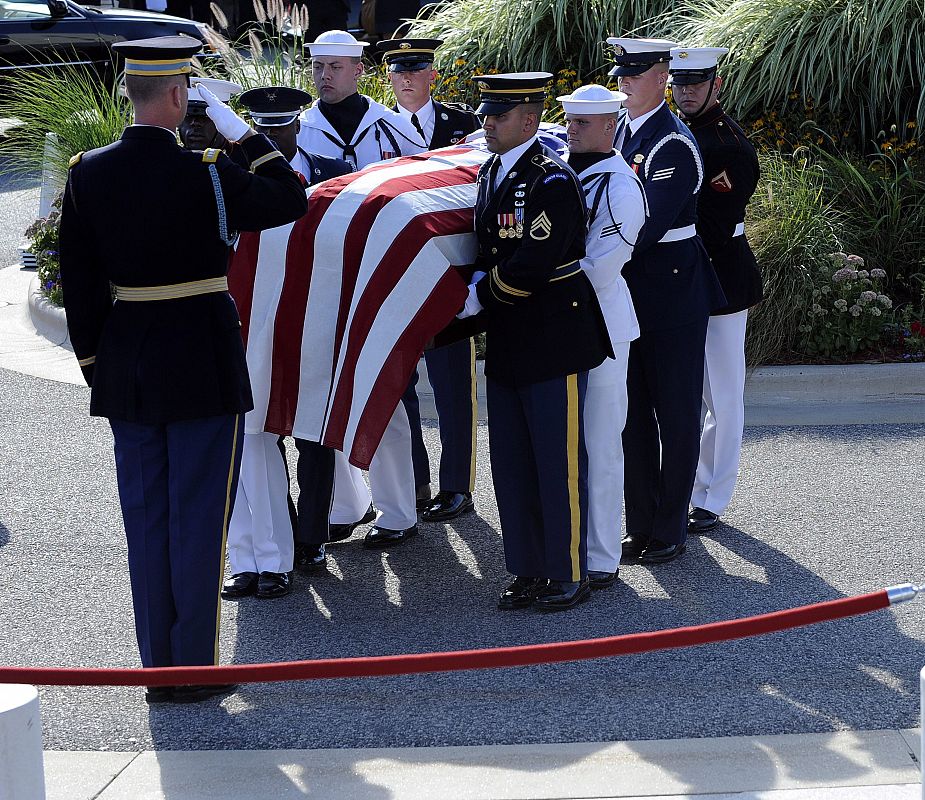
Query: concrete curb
(856,394)
(48,319)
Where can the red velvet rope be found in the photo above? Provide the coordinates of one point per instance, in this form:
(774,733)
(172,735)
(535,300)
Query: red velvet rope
(454,660)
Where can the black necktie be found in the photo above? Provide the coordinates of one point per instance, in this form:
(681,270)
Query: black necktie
(417,124)
(493,174)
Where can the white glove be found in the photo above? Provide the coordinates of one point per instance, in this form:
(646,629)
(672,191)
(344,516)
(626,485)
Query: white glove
(227,123)
(473,306)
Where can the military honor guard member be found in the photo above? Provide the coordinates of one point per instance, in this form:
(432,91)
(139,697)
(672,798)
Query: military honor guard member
(165,359)
(197,131)
(730,175)
(344,124)
(260,537)
(450,369)
(674,290)
(544,332)
(617,211)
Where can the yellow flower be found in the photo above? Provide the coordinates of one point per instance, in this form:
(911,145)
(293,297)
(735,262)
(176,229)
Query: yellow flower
(911,125)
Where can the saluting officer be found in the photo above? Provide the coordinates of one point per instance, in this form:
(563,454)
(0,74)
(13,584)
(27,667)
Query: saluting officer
(451,369)
(197,131)
(617,210)
(165,360)
(343,123)
(260,538)
(544,332)
(730,166)
(674,289)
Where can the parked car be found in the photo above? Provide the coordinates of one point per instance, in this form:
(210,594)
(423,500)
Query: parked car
(48,34)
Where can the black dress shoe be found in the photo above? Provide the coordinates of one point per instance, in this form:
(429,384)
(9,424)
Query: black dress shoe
(309,557)
(633,545)
(422,497)
(602,580)
(379,538)
(521,593)
(273,584)
(196,694)
(337,533)
(158,694)
(657,552)
(562,595)
(700,521)
(448,505)
(241,584)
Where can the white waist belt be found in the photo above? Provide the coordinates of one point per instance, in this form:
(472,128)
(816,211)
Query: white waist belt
(740,230)
(678,234)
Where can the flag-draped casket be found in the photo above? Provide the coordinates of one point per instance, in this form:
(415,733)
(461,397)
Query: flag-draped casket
(337,307)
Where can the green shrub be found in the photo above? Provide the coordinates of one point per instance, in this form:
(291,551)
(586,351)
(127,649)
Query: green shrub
(43,244)
(848,309)
(792,229)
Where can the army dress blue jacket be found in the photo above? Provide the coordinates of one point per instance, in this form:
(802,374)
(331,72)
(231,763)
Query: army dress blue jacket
(143,212)
(540,312)
(672,283)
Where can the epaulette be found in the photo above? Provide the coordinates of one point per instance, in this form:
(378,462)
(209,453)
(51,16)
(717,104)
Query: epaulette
(75,159)
(210,155)
(545,163)
(465,107)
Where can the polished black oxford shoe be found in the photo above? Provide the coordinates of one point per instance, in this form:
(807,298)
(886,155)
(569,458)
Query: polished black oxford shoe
(273,584)
(602,580)
(448,505)
(379,538)
(700,521)
(562,595)
(196,694)
(657,552)
(521,593)
(241,584)
(309,556)
(633,545)
(158,694)
(422,498)
(337,533)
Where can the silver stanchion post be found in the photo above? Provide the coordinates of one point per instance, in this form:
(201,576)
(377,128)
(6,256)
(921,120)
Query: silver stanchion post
(22,775)
(922,728)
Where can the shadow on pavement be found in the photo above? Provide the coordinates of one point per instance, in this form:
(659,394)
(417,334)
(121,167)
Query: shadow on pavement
(4,535)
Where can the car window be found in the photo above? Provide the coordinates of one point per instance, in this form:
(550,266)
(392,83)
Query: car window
(24,9)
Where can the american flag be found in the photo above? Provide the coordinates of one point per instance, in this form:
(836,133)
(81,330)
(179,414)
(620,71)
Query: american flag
(337,307)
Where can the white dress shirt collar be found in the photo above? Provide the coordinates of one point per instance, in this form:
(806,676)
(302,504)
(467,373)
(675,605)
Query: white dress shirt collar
(425,116)
(511,157)
(636,124)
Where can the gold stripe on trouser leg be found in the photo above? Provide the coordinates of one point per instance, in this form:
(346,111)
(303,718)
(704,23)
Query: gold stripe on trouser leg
(475,415)
(571,388)
(221,567)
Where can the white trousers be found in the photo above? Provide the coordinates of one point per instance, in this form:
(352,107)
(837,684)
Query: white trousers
(391,478)
(260,530)
(604,418)
(723,396)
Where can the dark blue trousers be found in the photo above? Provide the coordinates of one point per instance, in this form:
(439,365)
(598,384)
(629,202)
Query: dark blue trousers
(176,485)
(451,370)
(661,440)
(539,468)
(315,474)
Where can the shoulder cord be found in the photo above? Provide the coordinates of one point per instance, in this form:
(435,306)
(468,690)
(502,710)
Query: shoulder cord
(223,233)
(693,149)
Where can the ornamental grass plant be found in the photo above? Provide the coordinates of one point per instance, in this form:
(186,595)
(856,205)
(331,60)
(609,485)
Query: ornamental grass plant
(862,61)
(792,230)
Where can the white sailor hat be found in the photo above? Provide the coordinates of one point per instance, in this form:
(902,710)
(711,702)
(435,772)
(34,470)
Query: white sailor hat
(223,90)
(635,56)
(694,64)
(592,99)
(336,43)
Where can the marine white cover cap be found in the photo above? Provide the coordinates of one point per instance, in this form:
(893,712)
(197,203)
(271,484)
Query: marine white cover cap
(592,99)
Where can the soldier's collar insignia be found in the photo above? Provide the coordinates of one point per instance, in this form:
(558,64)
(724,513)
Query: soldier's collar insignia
(638,158)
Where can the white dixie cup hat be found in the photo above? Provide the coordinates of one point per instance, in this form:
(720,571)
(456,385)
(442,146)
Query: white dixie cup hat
(592,99)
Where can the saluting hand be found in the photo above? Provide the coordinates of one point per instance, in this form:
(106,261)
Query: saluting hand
(227,123)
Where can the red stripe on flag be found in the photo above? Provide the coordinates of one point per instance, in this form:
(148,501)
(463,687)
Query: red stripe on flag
(242,271)
(433,316)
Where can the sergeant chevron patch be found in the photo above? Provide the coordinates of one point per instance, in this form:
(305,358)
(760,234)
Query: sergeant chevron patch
(662,174)
(541,227)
